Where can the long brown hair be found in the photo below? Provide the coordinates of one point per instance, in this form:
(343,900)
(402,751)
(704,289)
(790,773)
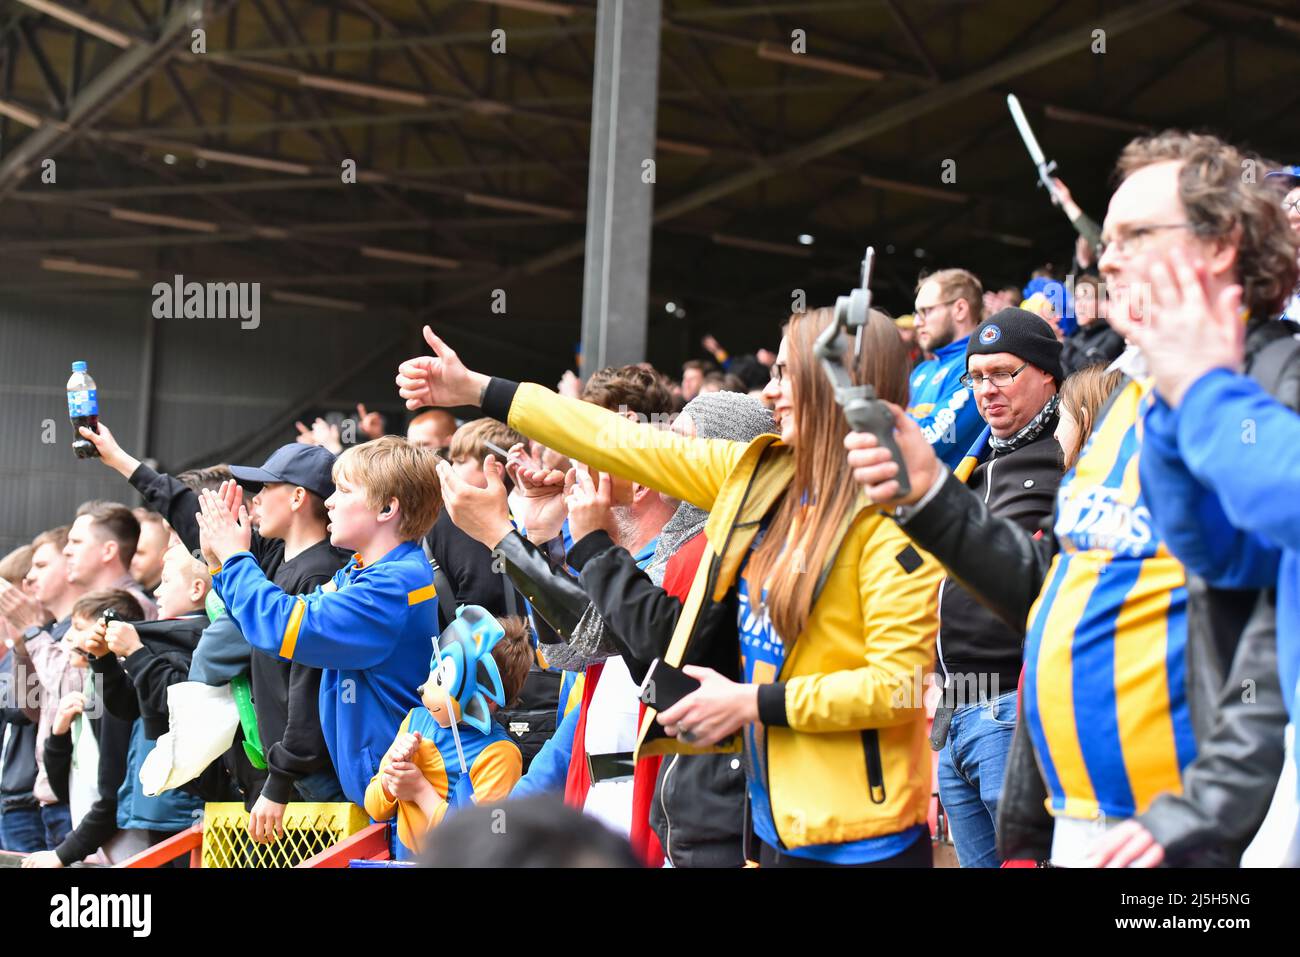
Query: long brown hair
(1082,396)
(790,557)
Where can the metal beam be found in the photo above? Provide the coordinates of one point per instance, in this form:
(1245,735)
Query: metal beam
(619,201)
(120,77)
(1000,71)
(53,88)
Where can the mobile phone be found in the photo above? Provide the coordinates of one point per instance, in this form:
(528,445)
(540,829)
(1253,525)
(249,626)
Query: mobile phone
(501,453)
(665,685)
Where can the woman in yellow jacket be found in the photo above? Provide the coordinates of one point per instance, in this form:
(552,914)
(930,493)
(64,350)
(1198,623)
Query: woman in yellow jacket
(834,610)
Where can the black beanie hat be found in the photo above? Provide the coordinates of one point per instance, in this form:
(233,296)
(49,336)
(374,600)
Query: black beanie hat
(1021,333)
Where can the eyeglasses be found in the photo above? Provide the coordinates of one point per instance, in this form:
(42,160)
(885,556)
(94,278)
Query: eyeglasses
(778,372)
(1291,207)
(1134,236)
(922,312)
(999,379)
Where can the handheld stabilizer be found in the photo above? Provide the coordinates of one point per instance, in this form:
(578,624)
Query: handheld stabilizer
(863,409)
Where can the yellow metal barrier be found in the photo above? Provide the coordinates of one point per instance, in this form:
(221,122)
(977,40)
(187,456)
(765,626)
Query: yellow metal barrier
(308,830)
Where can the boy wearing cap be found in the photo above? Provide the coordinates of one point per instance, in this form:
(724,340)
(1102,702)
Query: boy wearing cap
(291,546)
(370,626)
(290,506)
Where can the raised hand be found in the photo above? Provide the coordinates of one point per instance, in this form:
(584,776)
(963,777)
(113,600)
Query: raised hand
(20,609)
(481,513)
(570,385)
(874,468)
(110,453)
(590,505)
(1187,333)
(122,639)
(321,433)
(369,424)
(542,509)
(221,534)
(439,379)
(517,457)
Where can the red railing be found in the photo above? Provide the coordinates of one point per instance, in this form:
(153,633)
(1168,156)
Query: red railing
(165,852)
(368,844)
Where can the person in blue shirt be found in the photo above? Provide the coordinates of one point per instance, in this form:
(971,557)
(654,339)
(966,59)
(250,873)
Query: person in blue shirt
(949,305)
(371,627)
(1220,454)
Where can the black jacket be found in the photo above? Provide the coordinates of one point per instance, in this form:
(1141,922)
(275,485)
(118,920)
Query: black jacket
(18,762)
(163,661)
(285,694)
(1227,790)
(1094,344)
(468,565)
(1019,486)
(1005,567)
(698,810)
(100,822)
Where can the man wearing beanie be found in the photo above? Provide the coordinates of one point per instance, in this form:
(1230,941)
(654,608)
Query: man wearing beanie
(1013,369)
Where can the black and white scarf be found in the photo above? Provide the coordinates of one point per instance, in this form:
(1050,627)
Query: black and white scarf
(1045,417)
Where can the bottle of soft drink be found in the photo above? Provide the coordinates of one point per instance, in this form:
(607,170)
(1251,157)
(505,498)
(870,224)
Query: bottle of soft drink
(83,409)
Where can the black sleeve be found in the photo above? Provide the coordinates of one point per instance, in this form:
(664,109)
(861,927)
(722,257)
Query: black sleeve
(498,397)
(302,748)
(151,674)
(58,763)
(554,594)
(100,822)
(995,559)
(1228,788)
(641,616)
(1024,828)
(173,500)
(120,698)
(176,502)
(468,564)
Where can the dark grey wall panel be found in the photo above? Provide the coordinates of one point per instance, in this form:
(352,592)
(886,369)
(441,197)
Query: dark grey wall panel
(213,383)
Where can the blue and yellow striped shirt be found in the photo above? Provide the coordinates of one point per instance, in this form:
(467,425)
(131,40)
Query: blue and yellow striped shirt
(1105,695)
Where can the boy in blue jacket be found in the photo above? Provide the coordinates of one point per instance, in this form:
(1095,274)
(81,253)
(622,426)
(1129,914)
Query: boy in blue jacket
(370,628)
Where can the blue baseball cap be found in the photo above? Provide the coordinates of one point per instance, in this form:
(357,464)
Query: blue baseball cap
(1291,172)
(310,466)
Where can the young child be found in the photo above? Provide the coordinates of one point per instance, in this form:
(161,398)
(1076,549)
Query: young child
(147,658)
(479,668)
(369,627)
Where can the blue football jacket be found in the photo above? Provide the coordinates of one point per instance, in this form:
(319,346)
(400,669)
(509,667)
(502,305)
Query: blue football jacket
(943,407)
(1222,472)
(370,629)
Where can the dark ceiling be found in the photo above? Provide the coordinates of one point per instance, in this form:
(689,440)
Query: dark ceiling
(472,164)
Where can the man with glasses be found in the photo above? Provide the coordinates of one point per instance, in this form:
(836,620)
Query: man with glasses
(1013,368)
(1290,175)
(1122,666)
(949,304)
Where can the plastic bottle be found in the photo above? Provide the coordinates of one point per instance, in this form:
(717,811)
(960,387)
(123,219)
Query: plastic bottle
(83,409)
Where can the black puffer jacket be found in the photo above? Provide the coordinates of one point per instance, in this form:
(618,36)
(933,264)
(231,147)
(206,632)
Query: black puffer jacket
(1094,344)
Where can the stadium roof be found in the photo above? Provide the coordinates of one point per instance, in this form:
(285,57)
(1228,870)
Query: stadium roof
(471,164)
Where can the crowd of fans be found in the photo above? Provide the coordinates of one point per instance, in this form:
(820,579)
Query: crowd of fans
(700,611)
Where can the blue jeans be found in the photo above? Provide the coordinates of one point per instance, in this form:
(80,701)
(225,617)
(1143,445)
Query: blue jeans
(21,830)
(320,787)
(57,819)
(971,765)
